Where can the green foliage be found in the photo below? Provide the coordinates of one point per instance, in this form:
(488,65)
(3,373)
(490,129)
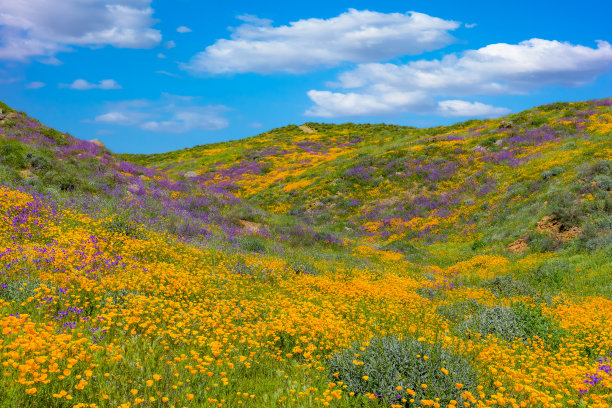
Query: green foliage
(565,209)
(302,267)
(506,286)
(406,248)
(534,323)
(252,244)
(597,233)
(555,171)
(8,174)
(38,161)
(389,363)
(604,182)
(552,273)
(12,154)
(124,227)
(539,242)
(5,108)
(64,179)
(18,290)
(60,138)
(431,293)
(517,322)
(459,311)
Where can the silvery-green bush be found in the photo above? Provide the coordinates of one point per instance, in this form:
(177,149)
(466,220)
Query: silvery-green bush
(389,363)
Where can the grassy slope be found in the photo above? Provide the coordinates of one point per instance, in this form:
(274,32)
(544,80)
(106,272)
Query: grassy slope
(382,231)
(478,185)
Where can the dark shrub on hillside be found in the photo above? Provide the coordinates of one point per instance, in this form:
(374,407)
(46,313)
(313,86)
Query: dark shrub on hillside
(37,161)
(597,233)
(565,209)
(603,182)
(555,171)
(63,179)
(476,245)
(603,167)
(252,244)
(384,364)
(539,242)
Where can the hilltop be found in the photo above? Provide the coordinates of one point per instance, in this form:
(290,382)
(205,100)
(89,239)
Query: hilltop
(315,265)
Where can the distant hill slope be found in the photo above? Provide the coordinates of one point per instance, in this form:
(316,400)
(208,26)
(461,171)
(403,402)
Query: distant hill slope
(489,182)
(538,181)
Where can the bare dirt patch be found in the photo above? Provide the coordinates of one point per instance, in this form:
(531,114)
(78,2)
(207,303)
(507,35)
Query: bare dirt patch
(519,246)
(307,129)
(557,230)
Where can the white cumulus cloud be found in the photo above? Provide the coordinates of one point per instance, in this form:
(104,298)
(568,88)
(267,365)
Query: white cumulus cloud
(492,70)
(35,85)
(42,28)
(83,85)
(169,114)
(304,45)
(183,29)
(457,107)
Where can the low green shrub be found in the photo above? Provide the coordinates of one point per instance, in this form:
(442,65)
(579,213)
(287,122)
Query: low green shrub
(603,182)
(12,154)
(123,227)
(459,311)
(8,174)
(539,242)
(37,161)
(565,209)
(506,286)
(555,171)
(382,365)
(597,233)
(517,322)
(252,244)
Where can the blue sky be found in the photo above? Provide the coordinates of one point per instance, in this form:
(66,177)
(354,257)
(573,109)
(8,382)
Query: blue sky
(151,76)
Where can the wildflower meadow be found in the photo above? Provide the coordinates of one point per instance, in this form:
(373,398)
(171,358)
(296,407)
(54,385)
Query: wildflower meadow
(342,265)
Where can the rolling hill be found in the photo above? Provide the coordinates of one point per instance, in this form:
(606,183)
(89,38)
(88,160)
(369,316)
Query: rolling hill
(317,265)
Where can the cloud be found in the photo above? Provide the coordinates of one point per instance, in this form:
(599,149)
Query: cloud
(35,85)
(333,104)
(492,70)
(304,45)
(169,114)
(83,85)
(42,28)
(169,44)
(183,29)
(170,74)
(456,107)
(117,118)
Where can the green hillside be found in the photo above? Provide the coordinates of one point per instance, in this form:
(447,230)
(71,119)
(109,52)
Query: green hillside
(315,265)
